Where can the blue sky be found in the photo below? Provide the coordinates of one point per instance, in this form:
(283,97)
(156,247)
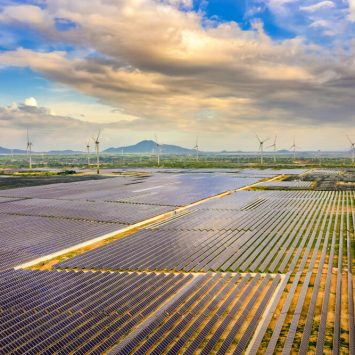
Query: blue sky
(220,69)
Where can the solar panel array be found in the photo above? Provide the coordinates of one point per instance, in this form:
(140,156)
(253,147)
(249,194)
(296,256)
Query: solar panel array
(219,316)
(93,211)
(273,271)
(40,220)
(305,236)
(46,312)
(25,238)
(159,189)
(295,184)
(268,232)
(76,312)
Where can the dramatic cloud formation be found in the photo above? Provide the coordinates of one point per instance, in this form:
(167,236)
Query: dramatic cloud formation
(170,67)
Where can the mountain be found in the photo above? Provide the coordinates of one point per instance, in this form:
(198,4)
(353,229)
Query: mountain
(51,152)
(149,146)
(11,151)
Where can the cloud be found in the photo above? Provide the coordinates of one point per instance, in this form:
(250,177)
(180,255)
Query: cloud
(24,14)
(187,4)
(31,101)
(299,17)
(183,72)
(50,131)
(318,6)
(351,4)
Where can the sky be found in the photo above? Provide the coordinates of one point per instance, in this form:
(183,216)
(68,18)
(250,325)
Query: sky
(222,70)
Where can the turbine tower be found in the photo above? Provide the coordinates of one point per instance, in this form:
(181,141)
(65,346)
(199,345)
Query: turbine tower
(293,148)
(196,148)
(158,149)
(274,146)
(352,149)
(97,148)
(88,153)
(29,150)
(261,148)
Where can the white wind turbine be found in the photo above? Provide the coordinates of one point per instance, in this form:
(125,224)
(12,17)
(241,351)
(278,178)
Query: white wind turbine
(274,146)
(157,144)
(293,148)
(352,149)
(261,148)
(29,150)
(88,152)
(196,148)
(97,148)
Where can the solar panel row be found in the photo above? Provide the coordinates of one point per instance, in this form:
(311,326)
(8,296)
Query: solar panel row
(234,300)
(318,317)
(52,311)
(78,312)
(295,232)
(296,184)
(159,189)
(41,220)
(267,237)
(123,213)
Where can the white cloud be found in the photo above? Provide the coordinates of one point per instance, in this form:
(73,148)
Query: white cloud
(25,14)
(351,4)
(318,6)
(179,3)
(31,101)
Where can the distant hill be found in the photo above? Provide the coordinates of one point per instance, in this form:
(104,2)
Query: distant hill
(52,152)
(67,151)
(11,151)
(149,146)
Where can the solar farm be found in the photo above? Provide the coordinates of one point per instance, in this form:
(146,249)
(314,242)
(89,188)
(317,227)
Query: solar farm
(180,262)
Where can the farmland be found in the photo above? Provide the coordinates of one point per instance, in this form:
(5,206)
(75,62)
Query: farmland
(254,261)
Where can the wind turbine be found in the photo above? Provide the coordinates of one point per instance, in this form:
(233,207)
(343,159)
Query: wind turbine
(352,147)
(274,146)
(293,148)
(88,152)
(196,148)
(29,150)
(158,149)
(261,148)
(97,148)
